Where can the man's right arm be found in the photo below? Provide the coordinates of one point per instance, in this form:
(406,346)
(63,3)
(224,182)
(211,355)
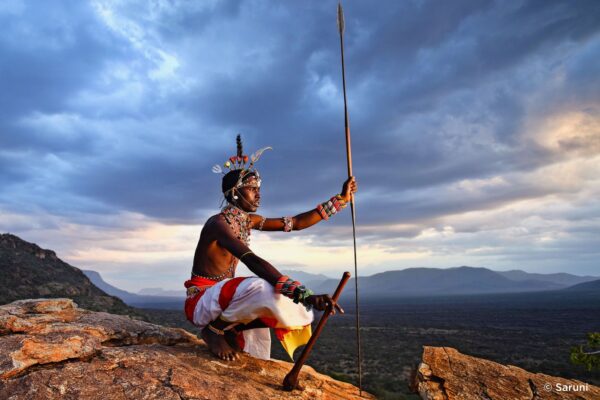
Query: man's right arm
(239,249)
(260,266)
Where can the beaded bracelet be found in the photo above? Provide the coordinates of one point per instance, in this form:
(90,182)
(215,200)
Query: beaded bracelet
(294,290)
(301,294)
(332,206)
(280,282)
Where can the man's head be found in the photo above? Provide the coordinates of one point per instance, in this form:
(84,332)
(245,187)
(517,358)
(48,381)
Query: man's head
(241,185)
(244,194)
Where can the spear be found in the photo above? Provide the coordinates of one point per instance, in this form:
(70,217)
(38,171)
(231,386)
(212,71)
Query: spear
(340,23)
(290,382)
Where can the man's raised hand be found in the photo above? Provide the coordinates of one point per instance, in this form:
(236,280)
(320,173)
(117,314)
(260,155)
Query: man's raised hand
(348,189)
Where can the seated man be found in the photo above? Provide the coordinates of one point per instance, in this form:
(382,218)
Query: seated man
(236,313)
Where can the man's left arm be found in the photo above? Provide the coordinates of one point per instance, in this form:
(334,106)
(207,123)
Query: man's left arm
(308,218)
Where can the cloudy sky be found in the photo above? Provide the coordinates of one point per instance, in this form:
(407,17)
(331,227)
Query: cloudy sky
(475,127)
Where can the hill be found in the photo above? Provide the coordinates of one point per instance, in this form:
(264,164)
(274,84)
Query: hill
(97,280)
(29,271)
(435,282)
(560,278)
(156,291)
(593,286)
(137,300)
(308,279)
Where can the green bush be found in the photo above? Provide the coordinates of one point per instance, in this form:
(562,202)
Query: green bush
(590,358)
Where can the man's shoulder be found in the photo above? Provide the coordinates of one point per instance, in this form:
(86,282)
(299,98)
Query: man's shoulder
(216,219)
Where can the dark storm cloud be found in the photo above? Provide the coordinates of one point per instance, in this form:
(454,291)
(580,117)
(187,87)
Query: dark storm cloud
(414,69)
(11,171)
(48,55)
(428,59)
(164,188)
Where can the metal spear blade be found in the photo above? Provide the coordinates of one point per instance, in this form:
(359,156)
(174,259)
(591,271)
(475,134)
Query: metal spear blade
(340,19)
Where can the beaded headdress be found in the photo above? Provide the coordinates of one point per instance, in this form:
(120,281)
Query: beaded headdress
(240,162)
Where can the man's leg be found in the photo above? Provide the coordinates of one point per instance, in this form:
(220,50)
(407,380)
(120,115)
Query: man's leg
(231,334)
(218,340)
(222,341)
(246,301)
(257,323)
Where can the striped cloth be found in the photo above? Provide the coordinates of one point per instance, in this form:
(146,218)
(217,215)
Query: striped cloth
(245,299)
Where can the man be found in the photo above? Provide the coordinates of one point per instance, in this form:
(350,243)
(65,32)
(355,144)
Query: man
(235,313)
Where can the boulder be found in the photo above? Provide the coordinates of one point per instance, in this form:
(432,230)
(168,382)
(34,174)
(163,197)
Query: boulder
(51,349)
(446,374)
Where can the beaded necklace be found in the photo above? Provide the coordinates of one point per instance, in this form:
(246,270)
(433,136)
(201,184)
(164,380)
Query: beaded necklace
(239,222)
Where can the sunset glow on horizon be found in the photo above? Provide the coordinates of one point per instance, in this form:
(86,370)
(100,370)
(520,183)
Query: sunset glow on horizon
(475,128)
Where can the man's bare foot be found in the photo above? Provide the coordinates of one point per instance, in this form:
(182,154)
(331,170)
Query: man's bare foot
(218,345)
(231,339)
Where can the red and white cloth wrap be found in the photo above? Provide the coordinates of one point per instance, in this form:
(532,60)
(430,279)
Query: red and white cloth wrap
(245,299)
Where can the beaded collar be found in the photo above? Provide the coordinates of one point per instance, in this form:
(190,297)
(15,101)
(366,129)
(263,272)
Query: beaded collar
(239,222)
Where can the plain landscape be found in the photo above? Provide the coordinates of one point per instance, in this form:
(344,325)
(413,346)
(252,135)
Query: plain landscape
(533,329)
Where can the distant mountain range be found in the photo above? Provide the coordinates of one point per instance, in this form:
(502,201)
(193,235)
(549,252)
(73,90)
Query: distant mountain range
(593,286)
(97,280)
(138,300)
(453,281)
(306,278)
(559,278)
(411,282)
(29,272)
(161,292)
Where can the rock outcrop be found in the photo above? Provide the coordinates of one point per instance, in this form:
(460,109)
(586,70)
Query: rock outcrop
(51,349)
(29,271)
(446,374)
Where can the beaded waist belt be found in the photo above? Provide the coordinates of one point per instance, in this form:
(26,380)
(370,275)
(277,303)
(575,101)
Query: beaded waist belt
(227,274)
(194,290)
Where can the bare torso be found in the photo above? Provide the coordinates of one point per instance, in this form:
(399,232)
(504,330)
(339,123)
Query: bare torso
(210,258)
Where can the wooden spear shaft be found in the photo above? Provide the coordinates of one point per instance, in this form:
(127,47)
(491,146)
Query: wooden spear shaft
(291,379)
(341,25)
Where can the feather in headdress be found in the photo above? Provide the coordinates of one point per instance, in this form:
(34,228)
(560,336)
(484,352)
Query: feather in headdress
(240,162)
(254,157)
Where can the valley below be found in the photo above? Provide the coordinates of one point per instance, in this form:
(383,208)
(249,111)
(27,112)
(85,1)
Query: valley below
(534,331)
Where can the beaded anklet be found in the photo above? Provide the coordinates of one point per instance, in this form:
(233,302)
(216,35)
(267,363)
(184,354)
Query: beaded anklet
(221,332)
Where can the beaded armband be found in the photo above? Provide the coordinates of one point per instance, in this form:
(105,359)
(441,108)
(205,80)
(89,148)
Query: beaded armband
(294,290)
(288,224)
(332,206)
(262,223)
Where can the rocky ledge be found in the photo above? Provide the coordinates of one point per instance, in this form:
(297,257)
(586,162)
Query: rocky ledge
(51,349)
(446,374)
